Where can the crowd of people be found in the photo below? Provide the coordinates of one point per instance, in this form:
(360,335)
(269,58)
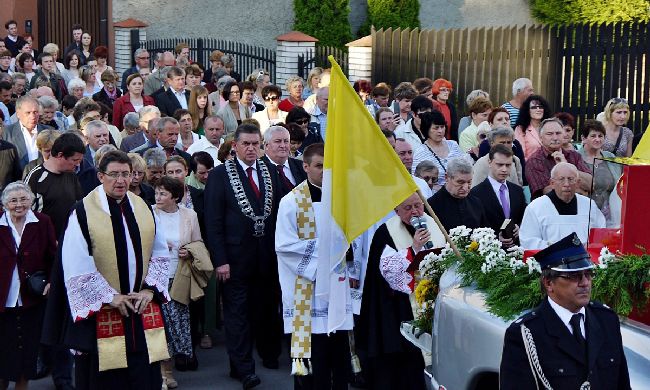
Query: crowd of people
(175,200)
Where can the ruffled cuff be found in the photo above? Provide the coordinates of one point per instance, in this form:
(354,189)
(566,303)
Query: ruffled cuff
(87,293)
(157,276)
(392,266)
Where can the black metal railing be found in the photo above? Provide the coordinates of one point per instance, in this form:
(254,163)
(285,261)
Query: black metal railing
(247,57)
(318,57)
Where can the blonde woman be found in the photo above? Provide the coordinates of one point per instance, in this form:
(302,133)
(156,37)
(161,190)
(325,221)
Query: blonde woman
(313,79)
(618,138)
(199,108)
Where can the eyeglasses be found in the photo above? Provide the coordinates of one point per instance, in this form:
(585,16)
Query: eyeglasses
(271,98)
(577,276)
(302,121)
(117,175)
(19,200)
(536,107)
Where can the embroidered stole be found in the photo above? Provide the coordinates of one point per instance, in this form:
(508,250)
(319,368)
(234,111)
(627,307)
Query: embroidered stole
(301,336)
(108,246)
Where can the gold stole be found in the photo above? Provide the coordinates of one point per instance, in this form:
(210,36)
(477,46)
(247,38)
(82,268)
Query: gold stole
(111,344)
(301,336)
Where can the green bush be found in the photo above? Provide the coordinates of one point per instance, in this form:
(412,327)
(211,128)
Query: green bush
(391,13)
(326,20)
(590,11)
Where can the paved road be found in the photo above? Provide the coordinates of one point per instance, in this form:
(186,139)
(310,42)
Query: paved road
(213,373)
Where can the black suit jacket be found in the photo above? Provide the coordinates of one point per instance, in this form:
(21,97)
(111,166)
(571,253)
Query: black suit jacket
(492,207)
(558,354)
(279,189)
(133,141)
(229,233)
(167,102)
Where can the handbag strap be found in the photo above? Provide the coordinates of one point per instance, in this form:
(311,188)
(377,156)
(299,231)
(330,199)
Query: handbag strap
(436,157)
(618,140)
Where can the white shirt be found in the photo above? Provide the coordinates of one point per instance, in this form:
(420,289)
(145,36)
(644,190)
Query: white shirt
(424,187)
(180,96)
(203,145)
(30,141)
(285,169)
(565,315)
(179,143)
(13,297)
(254,166)
(496,186)
(170,224)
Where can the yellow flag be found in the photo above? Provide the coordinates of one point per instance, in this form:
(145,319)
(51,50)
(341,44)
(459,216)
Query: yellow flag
(368,178)
(642,150)
(363,180)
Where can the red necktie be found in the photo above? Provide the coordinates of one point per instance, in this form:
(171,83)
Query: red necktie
(285,180)
(256,189)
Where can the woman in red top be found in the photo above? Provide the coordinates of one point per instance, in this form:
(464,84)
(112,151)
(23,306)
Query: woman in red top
(132,101)
(294,86)
(441,91)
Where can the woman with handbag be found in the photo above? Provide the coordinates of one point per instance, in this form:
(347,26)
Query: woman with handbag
(181,227)
(27,248)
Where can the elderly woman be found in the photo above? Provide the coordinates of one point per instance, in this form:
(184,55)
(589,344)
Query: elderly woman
(605,174)
(130,124)
(428,171)
(442,90)
(199,108)
(271,115)
(109,92)
(24,272)
(479,110)
(44,141)
(467,120)
(295,86)
(233,113)
(71,64)
(137,186)
(436,148)
(229,65)
(393,362)
(48,108)
(215,98)
(132,101)
(88,76)
(99,154)
(618,139)
(155,159)
(531,114)
(181,227)
(499,136)
(261,79)
(76,88)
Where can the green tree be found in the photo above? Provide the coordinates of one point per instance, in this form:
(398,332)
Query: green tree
(590,11)
(326,20)
(391,13)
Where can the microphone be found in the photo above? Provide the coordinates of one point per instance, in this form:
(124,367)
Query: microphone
(421,223)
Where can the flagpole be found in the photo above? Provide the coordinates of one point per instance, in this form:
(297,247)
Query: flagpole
(442,228)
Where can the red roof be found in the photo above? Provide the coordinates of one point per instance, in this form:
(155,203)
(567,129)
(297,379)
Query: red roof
(296,36)
(130,23)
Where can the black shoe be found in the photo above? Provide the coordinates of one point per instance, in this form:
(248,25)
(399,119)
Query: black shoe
(192,363)
(181,362)
(250,381)
(271,364)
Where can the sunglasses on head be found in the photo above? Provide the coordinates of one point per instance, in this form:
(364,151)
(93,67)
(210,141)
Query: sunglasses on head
(618,100)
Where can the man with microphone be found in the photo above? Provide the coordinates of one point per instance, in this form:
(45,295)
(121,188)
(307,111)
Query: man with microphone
(393,362)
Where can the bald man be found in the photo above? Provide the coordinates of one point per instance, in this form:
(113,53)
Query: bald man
(559,212)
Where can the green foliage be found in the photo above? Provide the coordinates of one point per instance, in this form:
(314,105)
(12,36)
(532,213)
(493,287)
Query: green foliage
(326,20)
(590,11)
(391,13)
(624,284)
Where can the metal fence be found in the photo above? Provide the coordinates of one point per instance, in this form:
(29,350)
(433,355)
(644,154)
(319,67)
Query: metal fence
(318,57)
(247,57)
(577,67)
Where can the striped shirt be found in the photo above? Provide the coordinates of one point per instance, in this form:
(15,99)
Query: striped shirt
(513,112)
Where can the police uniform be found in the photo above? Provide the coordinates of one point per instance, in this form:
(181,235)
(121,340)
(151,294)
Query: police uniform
(542,351)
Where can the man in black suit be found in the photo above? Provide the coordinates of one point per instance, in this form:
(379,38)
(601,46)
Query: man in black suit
(166,130)
(285,172)
(501,199)
(77,32)
(27,111)
(241,242)
(176,96)
(567,342)
(143,136)
(141,57)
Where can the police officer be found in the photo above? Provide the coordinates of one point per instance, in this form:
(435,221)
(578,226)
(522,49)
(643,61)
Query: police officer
(567,342)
